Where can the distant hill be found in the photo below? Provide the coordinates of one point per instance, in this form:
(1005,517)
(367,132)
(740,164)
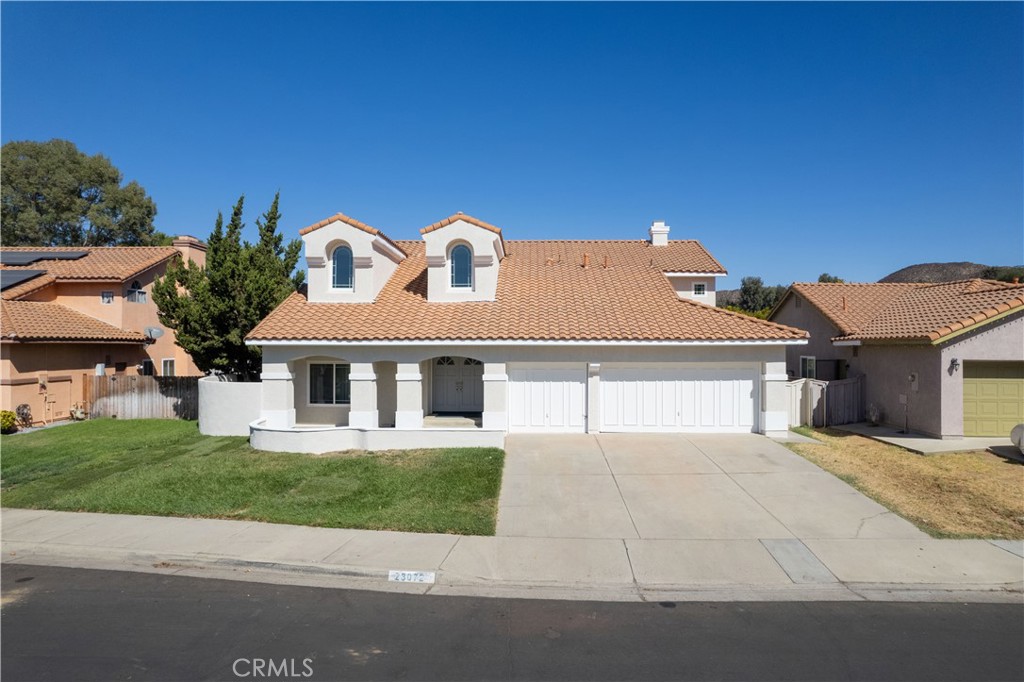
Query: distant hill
(952,272)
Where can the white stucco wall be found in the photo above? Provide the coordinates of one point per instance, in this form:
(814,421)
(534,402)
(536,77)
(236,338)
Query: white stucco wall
(227,406)
(683,287)
(328,439)
(378,368)
(374,261)
(486,248)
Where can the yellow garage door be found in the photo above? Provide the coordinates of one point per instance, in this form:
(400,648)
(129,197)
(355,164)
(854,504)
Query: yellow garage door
(993,398)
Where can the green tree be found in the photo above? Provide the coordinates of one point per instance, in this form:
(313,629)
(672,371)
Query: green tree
(826,278)
(54,195)
(1004,273)
(213,308)
(754,295)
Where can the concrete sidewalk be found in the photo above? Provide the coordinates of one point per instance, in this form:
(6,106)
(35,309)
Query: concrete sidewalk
(627,569)
(921,444)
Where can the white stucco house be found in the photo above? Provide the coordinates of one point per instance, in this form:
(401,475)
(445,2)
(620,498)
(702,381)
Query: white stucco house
(462,337)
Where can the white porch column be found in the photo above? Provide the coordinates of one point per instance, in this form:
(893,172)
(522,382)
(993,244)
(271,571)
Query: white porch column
(277,396)
(495,397)
(774,410)
(409,384)
(363,381)
(593,397)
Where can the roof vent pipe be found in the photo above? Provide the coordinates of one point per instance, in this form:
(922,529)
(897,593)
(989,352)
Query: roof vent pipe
(659,233)
(586,260)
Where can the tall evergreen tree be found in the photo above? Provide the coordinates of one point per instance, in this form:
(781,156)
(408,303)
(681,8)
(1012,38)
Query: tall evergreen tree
(213,308)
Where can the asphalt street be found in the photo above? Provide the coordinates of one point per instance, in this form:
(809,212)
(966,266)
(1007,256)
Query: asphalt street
(71,624)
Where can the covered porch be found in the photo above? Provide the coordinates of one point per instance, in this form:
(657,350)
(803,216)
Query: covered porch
(332,401)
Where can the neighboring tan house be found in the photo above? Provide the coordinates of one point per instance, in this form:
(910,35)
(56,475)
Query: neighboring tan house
(398,343)
(945,359)
(68,313)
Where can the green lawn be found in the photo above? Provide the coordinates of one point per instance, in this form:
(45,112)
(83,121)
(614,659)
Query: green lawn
(165,467)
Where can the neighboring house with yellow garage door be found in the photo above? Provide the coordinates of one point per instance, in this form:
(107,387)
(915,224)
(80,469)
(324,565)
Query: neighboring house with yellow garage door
(946,359)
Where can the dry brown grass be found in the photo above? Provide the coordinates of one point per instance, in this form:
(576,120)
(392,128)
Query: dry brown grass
(963,494)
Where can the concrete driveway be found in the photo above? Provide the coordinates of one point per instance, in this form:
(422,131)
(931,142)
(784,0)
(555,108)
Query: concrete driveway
(672,486)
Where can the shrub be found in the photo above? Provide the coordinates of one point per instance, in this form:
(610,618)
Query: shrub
(8,422)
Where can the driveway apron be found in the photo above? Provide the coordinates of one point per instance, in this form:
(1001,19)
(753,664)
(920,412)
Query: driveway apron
(679,487)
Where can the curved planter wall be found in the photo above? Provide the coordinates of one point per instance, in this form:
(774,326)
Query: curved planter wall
(227,406)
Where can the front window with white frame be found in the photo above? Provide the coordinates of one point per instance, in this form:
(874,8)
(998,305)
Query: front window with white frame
(807,369)
(329,384)
(700,289)
(462,267)
(167,367)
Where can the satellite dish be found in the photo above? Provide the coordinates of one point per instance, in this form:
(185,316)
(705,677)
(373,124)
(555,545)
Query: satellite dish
(153,332)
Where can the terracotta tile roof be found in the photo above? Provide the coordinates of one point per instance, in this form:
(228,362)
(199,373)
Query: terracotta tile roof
(26,288)
(101,263)
(543,293)
(937,310)
(850,306)
(463,217)
(358,224)
(912,312)
(35,321)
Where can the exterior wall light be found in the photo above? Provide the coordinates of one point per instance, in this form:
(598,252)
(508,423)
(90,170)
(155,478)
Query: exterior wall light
(954,365)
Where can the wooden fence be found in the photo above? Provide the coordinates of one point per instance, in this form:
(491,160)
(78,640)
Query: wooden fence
(143,397)
(825,403)
(844,401)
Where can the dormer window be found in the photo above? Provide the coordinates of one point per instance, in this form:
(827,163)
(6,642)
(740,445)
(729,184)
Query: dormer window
(462,267)
(341,268)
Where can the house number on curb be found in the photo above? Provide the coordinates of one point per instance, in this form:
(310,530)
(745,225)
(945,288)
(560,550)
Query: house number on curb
(411,577)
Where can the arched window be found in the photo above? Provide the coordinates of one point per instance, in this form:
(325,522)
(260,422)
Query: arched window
(136,294)
(341,262)
(462,267)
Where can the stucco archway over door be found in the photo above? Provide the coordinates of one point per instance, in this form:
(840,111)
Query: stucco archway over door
(458,384)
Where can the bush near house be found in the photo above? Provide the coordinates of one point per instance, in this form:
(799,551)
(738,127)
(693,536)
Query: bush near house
(8,422)
(166,468)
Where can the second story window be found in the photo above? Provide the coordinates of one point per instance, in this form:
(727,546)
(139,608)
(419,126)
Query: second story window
(107,297)
(462,267)
(341,265)
(136,294)
(700,289)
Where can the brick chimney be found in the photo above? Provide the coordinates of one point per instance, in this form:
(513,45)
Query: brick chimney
(191,249)
(659,233)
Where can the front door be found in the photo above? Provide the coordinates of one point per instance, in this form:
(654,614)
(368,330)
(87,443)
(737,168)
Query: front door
(458,385)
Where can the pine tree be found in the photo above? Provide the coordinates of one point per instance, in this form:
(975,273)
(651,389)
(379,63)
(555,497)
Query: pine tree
(213,308)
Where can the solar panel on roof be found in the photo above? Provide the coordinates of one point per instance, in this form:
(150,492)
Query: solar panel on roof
(29,257)
(9,278)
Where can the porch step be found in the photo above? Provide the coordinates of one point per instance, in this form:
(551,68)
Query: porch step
(451,421)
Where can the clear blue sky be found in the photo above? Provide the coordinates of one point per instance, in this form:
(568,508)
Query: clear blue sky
(791,139)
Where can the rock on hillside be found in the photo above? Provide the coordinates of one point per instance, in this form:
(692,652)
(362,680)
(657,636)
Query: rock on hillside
(948,272)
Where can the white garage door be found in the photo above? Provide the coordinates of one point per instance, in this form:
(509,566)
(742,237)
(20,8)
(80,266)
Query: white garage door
(552,400)
(722,400)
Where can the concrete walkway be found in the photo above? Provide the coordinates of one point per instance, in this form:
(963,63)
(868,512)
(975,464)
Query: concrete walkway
(921,444)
